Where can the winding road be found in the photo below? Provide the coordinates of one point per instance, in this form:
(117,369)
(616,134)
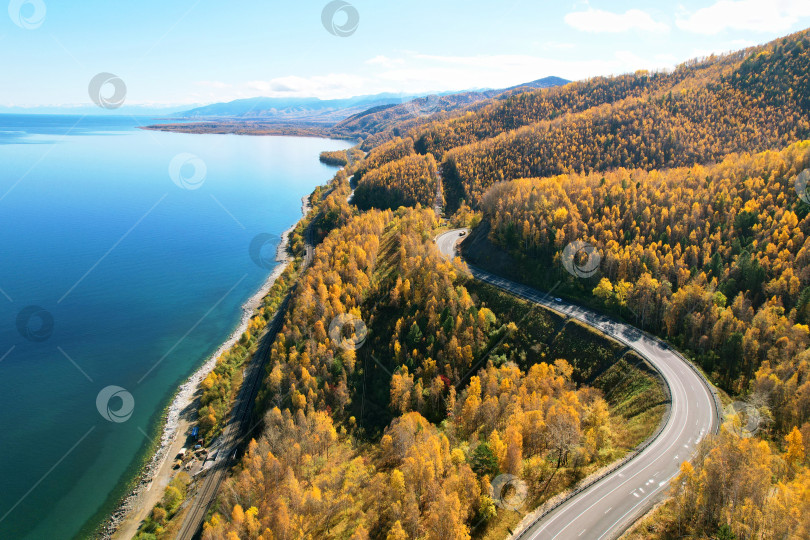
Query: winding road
(606,508)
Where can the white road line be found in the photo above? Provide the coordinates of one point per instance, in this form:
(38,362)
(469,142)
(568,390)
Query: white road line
(649,449)
(680,377)
(633,508)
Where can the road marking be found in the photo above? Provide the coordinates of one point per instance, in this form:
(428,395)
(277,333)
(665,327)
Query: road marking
(583,530)
(609,509)
(679,409)
(641,490)
(625,515)
(648,449)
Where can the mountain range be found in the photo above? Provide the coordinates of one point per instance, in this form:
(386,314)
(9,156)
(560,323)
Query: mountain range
(352,110)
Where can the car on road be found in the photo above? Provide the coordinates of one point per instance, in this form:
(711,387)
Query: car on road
(558,299)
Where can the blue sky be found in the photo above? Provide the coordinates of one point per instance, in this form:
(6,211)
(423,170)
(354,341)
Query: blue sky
(202,51)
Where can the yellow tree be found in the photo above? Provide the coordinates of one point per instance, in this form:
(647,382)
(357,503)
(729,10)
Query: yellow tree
(795,447)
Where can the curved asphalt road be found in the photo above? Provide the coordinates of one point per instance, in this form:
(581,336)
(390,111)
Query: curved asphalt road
(608,507)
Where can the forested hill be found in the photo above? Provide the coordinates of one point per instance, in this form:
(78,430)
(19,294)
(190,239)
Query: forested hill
(751,100)
(691,186)
(381,124)
(398,387)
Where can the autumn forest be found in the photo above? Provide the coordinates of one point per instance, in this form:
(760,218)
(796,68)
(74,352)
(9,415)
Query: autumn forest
(400,387)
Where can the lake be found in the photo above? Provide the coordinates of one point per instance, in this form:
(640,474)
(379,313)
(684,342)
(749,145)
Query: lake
(125,262)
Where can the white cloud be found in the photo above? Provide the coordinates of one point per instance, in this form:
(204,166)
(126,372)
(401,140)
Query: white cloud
(384,61)
(599,21)
(752,15)
(333,85)
(213,84)
(430,72)
(557,46)
(725,47)
(423,73)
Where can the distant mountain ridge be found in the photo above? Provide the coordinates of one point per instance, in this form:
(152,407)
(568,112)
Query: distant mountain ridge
(380,123)
(288,109)
(373,118)
(333,111)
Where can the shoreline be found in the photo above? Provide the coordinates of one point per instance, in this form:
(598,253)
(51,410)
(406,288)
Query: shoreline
(185,396)
(254,128)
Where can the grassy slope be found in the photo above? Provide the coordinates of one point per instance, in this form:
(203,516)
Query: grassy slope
(634,393)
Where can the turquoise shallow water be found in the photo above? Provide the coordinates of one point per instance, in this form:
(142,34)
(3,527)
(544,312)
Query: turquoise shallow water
(130,270)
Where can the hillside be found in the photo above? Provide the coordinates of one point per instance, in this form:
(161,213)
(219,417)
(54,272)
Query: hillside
(688,185)
(375,118)
(392,423)
(382,123)
(698,114)
(324,111)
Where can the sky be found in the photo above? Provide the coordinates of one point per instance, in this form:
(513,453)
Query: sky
(189,52)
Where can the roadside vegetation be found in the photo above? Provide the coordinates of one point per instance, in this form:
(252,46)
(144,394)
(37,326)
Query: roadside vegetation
(221,385)
(402,436)
(684,183)
(159,524)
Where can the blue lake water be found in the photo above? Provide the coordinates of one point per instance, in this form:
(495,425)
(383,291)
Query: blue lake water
(132,273)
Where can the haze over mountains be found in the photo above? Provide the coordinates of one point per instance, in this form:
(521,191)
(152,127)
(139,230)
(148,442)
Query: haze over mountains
(372,118)
(309,110)
(331,111)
